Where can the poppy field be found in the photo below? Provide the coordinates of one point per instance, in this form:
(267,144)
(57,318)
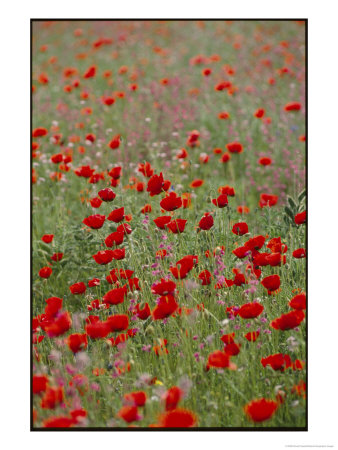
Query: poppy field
(168,224)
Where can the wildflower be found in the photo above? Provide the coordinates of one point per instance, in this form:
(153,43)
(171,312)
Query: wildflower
(250,310)
(77,288)
(288,321)
(260,410)
(206,222)
(45,272)
(300,218)
(178,418)
(107,195)
(96,221)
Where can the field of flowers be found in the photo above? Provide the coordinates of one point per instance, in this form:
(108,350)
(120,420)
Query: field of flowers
(168,224)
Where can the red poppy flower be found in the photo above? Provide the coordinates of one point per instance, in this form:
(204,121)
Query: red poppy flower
(108,100)
(77,342)
(162,221)
(298,302)
(56,257)
(90,72)
(205,277)
(45,272)
(171,202)
(115,142)
(115,238)
(182,154)
(96,221)
(228,338)
(115,296)
(292,106)
(193,137)
(84,171)
(60,325)
(240,228)
(90,137)
(228,190)
(206,222)
(117,215)
(137,398)
(219,360)
(77,288)
(115,172)
(299,253)
(118,322)
(146,169)
(241,252)
(288,321)
(95,202)
(97,330)
(124,227)
(146,208)
(224,115)
(276,245)
(207,71)
(259,113)
(177,225)
(95,178)
(104,257)
(300,218)
(178,272)
(129,414)
(225,157)
(252,336)
(121,274)
(260,410)
(271,283)
(234,147)
(264,161)
(155,184)
(250,310)
(187,262)
(52,397)
(272,259)
(178,418)
(57,158)
(196,183)
(164,287)
(94,282)
(255,243)
(222,85)
(54,304)
(278,361)
(39,383)
(119,253)
(107,195)
(40,132)
(221,201)
(232,349)
(172,397)
(268,200)
(166,306)
(59,422)
(239,278)
(143,313)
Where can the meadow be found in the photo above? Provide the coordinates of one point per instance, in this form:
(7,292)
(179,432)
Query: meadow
(168,224)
